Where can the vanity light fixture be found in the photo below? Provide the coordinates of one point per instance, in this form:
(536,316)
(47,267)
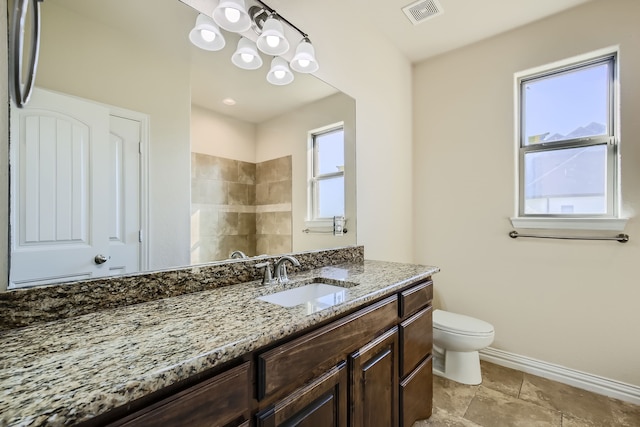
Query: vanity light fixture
(206,34)
(246,55)
(232,16)
(280,74)
(304,61)
(271,39)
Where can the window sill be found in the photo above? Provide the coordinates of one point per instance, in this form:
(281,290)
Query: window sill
(604,224)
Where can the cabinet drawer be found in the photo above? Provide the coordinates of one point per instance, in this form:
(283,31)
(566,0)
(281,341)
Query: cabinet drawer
(416,394)
(413,299)
(218,401)
(416,339)
(322,402)
(291,364)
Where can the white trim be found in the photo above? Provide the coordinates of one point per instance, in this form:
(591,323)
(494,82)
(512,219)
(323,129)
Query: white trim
(600,385)
(615,112)
(312,202)
(610,224)
(145,132)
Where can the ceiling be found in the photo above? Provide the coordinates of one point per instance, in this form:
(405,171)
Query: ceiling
(463,21)
(214,78)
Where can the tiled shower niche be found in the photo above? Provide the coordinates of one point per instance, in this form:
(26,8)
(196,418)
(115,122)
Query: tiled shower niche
(238,205)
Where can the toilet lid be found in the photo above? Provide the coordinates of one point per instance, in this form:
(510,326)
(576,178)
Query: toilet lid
(460,324)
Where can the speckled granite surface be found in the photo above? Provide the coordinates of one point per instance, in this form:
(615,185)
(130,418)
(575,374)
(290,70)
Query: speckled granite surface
(46,303)
(63,372)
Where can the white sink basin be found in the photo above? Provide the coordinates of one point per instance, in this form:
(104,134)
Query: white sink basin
(317,296)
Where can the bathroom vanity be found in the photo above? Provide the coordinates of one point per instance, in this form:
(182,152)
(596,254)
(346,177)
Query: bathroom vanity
(223,357)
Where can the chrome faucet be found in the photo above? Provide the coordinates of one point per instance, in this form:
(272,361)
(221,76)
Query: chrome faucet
(237,254)
(280,270)
(266,278)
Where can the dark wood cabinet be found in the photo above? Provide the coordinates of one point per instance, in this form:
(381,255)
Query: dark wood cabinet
(416,394)
(222,401)
(369,368)
(416,346)
(416,338)
(374,383)
(299,360)
(322,402)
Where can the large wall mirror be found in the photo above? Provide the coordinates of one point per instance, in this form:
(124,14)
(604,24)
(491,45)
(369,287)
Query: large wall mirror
(187,177)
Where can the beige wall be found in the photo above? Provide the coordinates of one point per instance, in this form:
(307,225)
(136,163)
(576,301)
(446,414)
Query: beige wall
(218,135)
(382,90)
(358,60)
(287,135)
(572,303)
(279,137)
(130,74)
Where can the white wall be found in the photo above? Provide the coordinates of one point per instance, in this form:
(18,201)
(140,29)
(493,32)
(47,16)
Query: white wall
(287,135)
(572,303)
(131,74)
(218,135)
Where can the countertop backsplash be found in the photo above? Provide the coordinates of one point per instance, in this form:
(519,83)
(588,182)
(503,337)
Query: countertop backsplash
(24,307)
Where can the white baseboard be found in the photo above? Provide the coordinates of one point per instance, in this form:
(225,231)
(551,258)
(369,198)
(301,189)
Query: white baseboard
(616,389)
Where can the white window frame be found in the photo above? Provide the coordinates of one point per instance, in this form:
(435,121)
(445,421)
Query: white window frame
(313,177)
(611,220)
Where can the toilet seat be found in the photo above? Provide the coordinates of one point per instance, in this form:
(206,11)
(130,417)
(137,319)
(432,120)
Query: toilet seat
(460,324)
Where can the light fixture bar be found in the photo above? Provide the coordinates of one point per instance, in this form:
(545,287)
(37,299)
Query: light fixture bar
(282,18)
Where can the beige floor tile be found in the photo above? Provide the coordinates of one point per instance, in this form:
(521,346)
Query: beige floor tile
(490,408)
(625,414)
(569,421)
(441,418)
(499,378)
(569,400)
(452,397)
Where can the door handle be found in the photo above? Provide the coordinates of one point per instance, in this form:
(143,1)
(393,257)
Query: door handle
(100,259)
(16,44)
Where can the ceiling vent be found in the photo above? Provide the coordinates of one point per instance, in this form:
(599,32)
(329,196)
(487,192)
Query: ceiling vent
(422,10)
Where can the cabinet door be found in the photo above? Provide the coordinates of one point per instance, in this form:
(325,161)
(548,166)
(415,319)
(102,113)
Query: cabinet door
(288,366)
(374,382)
(416,394)
(220,401)
(322,402)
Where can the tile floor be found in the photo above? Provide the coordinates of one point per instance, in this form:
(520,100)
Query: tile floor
(509,398)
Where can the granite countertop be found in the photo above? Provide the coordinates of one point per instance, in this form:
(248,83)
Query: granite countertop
(67,371)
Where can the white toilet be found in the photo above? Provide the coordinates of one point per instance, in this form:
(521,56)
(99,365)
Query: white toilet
(456,341)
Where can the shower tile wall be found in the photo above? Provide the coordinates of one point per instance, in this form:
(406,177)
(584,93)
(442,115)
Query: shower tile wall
(273,206)
(225,212)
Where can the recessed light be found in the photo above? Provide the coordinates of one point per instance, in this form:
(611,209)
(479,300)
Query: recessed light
(229,101)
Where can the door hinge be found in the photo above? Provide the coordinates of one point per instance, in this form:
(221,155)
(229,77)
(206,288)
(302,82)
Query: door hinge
(140,147)
(140,236)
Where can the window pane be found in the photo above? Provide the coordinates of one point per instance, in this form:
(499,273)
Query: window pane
(330,152)
(565,106)
(330,197)
(569,181)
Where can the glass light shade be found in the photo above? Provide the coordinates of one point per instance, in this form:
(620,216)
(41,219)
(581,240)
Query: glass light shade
(304,61)
(279,74)
(246,55)
(272,40)
(232,16)
(206,34)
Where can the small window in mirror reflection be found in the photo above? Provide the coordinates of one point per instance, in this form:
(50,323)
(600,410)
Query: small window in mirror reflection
(326,172)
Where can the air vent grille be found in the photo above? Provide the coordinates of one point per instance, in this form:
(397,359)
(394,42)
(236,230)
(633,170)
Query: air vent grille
(422,10)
